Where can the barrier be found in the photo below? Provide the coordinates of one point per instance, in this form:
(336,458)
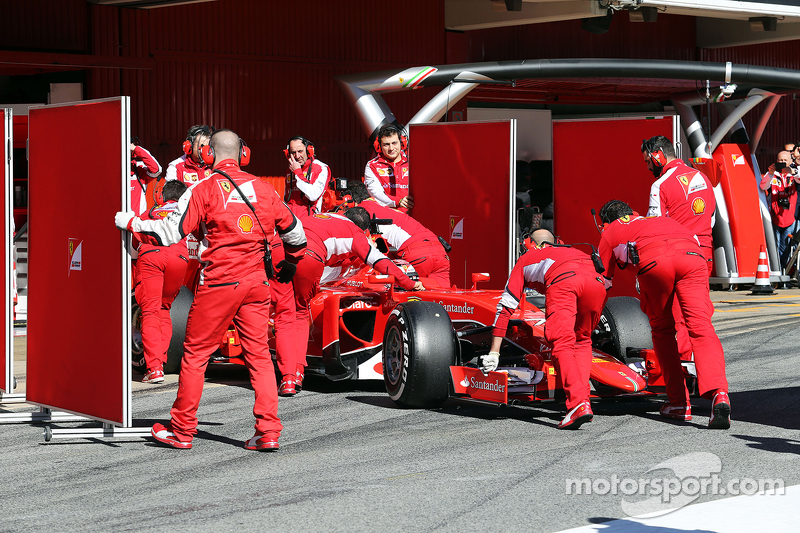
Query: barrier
(762,285)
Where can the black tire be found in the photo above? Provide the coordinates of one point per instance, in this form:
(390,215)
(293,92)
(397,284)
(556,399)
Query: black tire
(622,325)
(419,346)
(178,313)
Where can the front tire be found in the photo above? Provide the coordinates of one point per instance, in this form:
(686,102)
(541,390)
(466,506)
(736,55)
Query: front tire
(419,346)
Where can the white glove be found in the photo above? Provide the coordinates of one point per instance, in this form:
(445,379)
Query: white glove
(123,218)
(489,362)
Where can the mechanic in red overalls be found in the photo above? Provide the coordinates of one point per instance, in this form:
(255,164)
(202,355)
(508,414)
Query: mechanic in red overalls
(686,196)
(159,273)
(286,325)
(307,178)
(575,297)
(414,242)
(670,265)
(386,176)
(144,169)
(233,282)
(189,168)
(332,241)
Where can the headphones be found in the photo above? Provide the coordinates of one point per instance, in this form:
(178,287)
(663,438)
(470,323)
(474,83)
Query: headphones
(208,156)
(308,144)
(655,154)
(388,131)
(192,134)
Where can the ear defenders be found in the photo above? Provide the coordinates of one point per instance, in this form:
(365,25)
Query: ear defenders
(655,154)
(194,131)
(209,157)
(388,131)
(308,144)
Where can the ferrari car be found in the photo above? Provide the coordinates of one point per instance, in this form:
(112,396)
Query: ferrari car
(426,345)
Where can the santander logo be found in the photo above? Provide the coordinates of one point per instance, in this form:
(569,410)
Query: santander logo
(465,382)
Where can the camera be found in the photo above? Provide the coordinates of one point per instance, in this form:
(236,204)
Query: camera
(783,203)
(779,166)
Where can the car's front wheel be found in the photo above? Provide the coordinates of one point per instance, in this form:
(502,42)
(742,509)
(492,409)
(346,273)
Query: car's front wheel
(419,346)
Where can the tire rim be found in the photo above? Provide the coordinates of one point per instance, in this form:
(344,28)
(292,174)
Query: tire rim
(393,355)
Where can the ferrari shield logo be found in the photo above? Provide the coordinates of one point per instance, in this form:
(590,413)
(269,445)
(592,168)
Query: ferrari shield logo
(683,179)
(75,254)
(456,227)
(225,186)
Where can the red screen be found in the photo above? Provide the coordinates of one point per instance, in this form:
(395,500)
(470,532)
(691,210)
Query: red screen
(595,161)
(75,328)
(460,177)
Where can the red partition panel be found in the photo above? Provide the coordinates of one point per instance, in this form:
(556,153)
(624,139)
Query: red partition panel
(77,356)
(595,161)
(741,196)
(462,177)
(7,231)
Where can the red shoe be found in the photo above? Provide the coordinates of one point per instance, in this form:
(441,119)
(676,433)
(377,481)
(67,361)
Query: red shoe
(299,376)
(164,434)
(676,412)
(580,414)
(288,386)
(720,411)
(262,443)
(154,376)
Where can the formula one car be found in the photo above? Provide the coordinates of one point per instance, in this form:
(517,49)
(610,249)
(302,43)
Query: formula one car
(426,345)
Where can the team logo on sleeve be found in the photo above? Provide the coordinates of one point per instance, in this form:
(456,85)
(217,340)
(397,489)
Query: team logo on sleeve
(245,223)
(698,206)
(190,177)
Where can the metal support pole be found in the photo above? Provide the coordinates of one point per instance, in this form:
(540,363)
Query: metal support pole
(43,415)
(107,431)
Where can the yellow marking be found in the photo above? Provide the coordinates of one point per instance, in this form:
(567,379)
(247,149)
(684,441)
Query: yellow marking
(744,309)
(784,305)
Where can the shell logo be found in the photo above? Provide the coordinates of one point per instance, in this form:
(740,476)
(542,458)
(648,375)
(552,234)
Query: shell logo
(698,206)
(245,223)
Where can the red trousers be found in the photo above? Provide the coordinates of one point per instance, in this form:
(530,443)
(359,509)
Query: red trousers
(246,303)
(286,330)
(682,334)
(574,306)
(429,260)
(669,272)
(159,274)
(306,285)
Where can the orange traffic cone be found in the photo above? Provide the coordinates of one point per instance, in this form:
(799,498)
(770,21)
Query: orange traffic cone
(762,285)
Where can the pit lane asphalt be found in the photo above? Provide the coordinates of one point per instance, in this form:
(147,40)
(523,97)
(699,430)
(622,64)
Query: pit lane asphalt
(351,461)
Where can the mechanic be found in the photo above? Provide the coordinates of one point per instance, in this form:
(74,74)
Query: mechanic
(386,176)
(189,168)
(686,196)
(670,265)
(286,325)
(333,240)
(414,242)
(159,273)
(233,281)
(144,169)
(575,295)
(307,178)
(781,189)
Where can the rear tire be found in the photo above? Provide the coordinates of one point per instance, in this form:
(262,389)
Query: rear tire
(179,313)
(623,325)
(419,346)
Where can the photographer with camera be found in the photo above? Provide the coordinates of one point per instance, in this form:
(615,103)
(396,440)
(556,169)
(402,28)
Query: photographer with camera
(781,188)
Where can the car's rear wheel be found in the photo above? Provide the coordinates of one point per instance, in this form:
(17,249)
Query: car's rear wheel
(622,325)
(419,346)
(179,314)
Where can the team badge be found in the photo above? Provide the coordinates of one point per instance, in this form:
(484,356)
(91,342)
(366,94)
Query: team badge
(225,186)
(698,206)
(683,179)
(75,254)
(245,223)
(625,219)
(189,177)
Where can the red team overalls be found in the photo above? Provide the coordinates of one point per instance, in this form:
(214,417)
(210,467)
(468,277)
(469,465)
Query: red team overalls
(387,182)
(305,188)
(575,297)
(671,267)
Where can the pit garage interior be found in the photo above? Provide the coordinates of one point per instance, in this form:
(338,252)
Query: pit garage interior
(267,70)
